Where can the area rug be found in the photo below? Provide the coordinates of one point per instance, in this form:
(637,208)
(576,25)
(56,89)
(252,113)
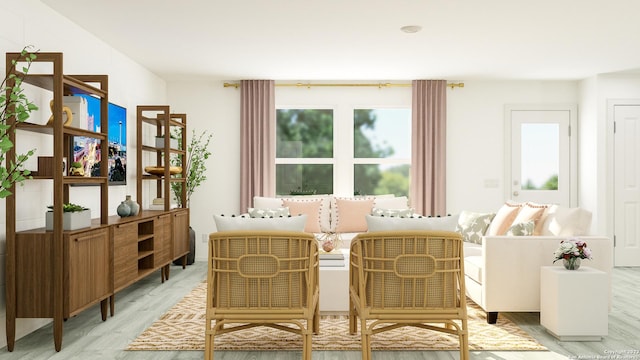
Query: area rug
(182,328)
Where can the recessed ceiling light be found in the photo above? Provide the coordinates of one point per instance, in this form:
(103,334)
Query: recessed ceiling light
(410,29)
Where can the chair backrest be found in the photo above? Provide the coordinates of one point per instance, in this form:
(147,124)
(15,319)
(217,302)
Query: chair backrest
(409,269)
(262,269)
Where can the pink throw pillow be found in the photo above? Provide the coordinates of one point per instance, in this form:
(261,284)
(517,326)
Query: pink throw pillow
(351,214)
(310,207)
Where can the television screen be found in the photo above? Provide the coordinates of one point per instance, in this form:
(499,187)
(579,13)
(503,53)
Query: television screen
(87,150)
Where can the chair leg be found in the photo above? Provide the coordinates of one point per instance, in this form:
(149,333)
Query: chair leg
(316,320)
(306,346)
(464,341)
(208,347)
(366,346)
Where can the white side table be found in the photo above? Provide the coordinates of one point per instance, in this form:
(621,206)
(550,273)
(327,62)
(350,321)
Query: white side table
(334,287)
(574,303)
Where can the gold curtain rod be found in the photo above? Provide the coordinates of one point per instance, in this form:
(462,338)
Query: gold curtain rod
(378,85)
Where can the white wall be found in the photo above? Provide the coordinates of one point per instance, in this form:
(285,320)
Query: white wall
(29,22)
(608,87)
(475,140)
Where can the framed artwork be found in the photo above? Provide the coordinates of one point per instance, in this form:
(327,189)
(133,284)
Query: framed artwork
(87,151)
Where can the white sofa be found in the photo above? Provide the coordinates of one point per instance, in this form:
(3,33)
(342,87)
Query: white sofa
(503,272)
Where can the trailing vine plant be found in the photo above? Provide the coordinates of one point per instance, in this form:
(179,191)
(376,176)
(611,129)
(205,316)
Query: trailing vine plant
(14,104)
(194,167)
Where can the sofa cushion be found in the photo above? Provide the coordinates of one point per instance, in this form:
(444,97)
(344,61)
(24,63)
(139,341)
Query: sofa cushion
(261,202)
(268,212)
(564,221)
(503,219)
(350,214)
(521,228)
(232,223)
(472,226)
(540,223)
(390,202)
(445,223)
(391,212)
(530,212)
(473,268)
(309,207)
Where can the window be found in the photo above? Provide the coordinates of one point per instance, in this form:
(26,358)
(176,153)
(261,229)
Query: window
(382,151)
(316,153)
(304,151)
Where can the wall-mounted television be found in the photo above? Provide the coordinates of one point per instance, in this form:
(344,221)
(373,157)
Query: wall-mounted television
(87,150)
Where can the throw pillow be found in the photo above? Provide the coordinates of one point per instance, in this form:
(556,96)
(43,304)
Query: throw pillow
(233,223)
(564,221)
(309,207)
(530,211)
(444,223)
(391,212)
(391,202)
(521,228)
(325,209)
(261,202)
(350,214)
(503,219)
(472,226)
(260,213)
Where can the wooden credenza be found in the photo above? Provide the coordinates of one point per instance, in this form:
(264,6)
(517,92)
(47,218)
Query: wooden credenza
(96,262)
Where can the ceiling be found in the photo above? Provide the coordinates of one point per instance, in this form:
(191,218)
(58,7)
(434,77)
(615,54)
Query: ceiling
(361,39)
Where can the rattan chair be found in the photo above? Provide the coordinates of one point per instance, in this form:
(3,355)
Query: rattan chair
(407,278)
(262,278)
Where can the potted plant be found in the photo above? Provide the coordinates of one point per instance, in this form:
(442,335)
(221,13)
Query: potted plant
(194,170)
(76,169)
(73,217)
(14,104)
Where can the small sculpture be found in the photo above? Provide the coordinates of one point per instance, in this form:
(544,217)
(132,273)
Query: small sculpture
(76,169)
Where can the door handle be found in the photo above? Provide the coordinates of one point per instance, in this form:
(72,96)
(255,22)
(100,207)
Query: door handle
(515,193)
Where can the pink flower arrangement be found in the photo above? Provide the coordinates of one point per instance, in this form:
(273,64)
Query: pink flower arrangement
(572,249)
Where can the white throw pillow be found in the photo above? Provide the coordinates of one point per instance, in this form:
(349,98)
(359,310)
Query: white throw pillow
(232,223)
(564,221)
(261,202)
(260,213)
(398,202)
(444,223)
(392,212)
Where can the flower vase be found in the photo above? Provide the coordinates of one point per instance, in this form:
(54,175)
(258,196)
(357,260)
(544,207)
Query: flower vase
(123,209)
(133,206)
(571,263)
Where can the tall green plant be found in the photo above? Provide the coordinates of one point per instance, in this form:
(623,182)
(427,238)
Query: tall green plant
(14,104)
(194,167)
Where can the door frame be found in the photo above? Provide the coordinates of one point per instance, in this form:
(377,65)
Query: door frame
(573,144)
(610,148)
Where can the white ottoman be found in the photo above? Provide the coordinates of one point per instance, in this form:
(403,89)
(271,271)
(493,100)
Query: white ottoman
(574,303)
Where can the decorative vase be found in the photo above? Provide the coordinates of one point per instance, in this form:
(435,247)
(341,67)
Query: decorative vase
(571,263)
(123,209)
(134,208)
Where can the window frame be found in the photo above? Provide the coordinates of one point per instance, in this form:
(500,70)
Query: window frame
(343,160)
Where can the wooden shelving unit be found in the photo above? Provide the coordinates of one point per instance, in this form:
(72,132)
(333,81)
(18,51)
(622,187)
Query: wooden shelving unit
(158,121)
(57,274)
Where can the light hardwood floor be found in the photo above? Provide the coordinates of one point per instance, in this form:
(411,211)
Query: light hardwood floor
(87,337)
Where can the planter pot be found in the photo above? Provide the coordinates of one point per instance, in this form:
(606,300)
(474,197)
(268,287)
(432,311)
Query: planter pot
(71,220)
(173,143)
